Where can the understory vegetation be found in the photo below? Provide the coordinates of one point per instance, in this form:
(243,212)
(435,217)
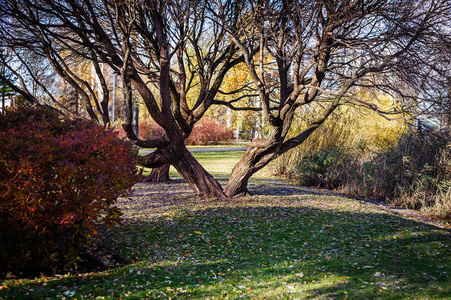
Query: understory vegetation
(208,131)
(415,173)
(59,180)
(376,158)
(285,242)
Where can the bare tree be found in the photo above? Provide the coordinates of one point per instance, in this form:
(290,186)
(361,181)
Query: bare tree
(37,53)
(323,51)
(171,45)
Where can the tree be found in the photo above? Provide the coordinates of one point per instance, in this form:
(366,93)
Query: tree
(5,90)
(39,59)
(300,55)
(323,52)
(145,42)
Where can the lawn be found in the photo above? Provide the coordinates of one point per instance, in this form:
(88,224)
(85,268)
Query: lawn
(285,242)
(219,164)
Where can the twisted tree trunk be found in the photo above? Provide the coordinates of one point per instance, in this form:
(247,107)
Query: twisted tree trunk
(258,155)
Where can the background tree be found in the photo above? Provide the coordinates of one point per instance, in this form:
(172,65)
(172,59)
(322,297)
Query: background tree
(45,69)
(5,90)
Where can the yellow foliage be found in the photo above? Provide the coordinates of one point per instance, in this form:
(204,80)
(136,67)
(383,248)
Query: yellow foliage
(353,127)
(356,127)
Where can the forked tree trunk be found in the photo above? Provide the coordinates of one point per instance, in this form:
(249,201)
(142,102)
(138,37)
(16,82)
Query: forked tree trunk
(186,165)
(160,174)
(260,153)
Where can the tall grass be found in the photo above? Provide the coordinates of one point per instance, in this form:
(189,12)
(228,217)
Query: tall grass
(365,132)
(415,173)
(426,175)
(362,153)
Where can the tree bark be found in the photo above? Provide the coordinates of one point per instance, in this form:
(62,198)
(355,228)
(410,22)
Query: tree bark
(238,180)
(186,165)
(195,175)
(258,155)
(160,174)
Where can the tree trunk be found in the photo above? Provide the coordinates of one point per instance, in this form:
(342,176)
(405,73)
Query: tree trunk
(160,174)
(258,155)
(238,180)
(186,165)
(195,175)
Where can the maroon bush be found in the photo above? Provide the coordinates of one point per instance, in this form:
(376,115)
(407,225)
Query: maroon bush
(209,131)
(206,132)
(149,129)
(59,180)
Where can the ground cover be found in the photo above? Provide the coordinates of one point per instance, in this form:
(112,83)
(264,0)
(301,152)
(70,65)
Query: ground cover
(284,242)
(218,164)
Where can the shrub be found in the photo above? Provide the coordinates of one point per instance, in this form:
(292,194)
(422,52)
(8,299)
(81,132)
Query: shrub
(411,165)
(424,173)
(415,173)
(209,131)
(59,180)
(206,132)
(326,168)
(149,129)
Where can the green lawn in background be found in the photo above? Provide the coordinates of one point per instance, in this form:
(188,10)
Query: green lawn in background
(218,164)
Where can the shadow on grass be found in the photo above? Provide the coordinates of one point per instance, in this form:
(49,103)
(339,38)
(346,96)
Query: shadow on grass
(277,187)
(271,252)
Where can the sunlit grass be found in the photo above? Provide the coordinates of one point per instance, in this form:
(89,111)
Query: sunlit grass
(218,164)
(297,246)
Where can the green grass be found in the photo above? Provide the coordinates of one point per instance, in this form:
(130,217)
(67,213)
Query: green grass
(279,244)
(292,247)
(218,164)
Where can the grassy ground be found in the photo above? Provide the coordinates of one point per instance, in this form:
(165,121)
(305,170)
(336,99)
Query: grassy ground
(285,242)
(219,164)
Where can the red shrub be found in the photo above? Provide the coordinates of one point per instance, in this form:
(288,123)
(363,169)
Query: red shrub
(209,131)
(59,179)
(206,132)
(149,129)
